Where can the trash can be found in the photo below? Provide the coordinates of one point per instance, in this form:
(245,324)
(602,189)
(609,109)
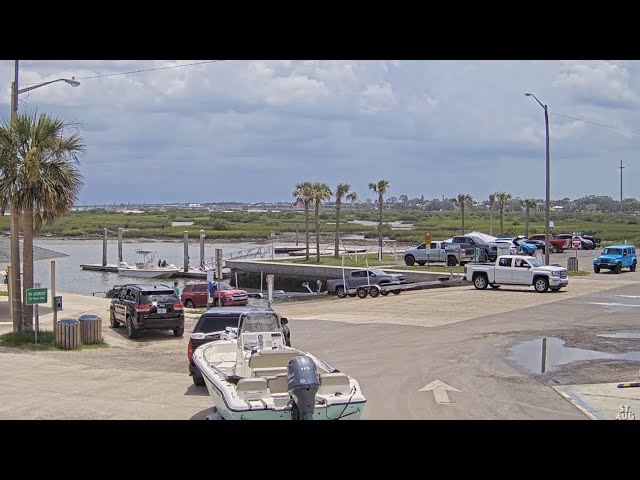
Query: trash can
(572,264)
(90,329)
(68,333)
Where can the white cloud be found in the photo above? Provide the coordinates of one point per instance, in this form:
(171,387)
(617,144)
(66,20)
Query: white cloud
(430,127)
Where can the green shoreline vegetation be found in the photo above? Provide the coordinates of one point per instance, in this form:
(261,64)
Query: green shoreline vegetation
(252,226)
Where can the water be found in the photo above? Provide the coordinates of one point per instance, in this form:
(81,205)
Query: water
(529,355)
(69,277)
(633,335)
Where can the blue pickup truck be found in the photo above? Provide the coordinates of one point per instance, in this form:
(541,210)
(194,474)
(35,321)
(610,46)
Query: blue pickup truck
(616,257)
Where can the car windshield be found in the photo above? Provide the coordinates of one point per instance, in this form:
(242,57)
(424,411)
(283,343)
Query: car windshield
(161,296)
(536,261)
(259,322)
(210,324)
(224,286)
(376,271)
(612,251)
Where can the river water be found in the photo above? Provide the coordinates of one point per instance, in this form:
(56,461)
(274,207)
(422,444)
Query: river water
(70,278)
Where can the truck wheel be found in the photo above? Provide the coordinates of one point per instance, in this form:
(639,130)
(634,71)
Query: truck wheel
(189,303)
(596,269)
(618,268)
(374,292)
(340,293)
(112,320)
(480,282)
(554,248)
(541,284)
(362,292)
(632,268)
(409,260)
(452,261)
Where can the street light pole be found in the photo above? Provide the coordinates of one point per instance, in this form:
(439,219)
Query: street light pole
(548,180)
(16,290)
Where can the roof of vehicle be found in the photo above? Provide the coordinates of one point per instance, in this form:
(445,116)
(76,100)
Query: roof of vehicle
(236,310)
(619,246)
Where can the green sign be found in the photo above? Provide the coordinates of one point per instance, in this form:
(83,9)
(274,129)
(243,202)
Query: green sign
(36,295)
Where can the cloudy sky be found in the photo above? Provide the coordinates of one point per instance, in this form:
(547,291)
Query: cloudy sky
(250,130)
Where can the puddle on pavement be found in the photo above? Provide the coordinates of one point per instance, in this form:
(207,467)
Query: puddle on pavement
(529,355)
(621,335)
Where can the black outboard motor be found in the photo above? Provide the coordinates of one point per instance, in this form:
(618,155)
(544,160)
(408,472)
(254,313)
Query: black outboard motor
(303,384)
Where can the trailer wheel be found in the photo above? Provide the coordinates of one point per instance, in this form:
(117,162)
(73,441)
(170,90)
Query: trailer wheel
(396,292)
(384,293)
(374,292)
(362,292)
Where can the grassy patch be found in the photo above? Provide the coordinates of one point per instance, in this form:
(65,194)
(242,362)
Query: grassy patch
(578,273)
(25,340)
(4,293)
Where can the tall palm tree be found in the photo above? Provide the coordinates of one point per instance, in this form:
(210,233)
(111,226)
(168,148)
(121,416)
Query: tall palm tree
(303,194)
(492,204)
(528,204)
(343,190)
(380,188)
(463,201)
(321,192)
(503,199)
(45,184)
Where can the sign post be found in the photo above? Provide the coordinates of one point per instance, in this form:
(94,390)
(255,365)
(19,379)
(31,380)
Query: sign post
(269,289)
(36,296)
(575,243)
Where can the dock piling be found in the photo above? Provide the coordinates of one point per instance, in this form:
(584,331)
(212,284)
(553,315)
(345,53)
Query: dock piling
(119,244)
(186,250)
(104,248)
(202,248)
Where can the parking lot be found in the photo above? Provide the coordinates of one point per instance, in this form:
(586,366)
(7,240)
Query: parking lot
(405,350)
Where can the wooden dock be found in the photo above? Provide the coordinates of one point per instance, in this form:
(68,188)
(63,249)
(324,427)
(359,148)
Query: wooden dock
(194,274)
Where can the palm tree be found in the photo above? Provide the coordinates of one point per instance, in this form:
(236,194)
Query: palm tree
(320,193)
(45,184)
(343,190)
(492,204)
(464,200)
(503,199)
(380,188)
(528,204)
(303,195)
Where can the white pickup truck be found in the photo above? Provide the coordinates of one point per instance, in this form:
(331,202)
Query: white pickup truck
(517,270)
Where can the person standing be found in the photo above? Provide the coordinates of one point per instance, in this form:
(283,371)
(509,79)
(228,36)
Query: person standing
(176,288)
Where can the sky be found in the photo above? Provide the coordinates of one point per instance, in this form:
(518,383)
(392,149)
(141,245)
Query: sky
(248,131)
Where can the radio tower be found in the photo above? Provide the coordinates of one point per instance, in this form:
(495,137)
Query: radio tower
(621,167)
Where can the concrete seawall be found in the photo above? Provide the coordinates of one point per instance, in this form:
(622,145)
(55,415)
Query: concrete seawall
(290,277)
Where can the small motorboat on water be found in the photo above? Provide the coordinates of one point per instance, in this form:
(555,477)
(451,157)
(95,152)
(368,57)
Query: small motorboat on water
(146,267)
(251,375)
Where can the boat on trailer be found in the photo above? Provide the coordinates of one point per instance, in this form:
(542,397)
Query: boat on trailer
(251,375)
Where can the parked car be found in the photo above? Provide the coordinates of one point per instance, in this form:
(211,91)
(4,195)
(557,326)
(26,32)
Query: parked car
(196,294)
(213,323)
(615,258)
(439,251)
(115,291)
(147,307)
(597,242)
(489,250)
(517,270)
(585,244)
(357,278)
(558,245)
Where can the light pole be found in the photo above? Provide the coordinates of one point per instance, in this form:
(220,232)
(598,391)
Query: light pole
(16,291)
(547,199)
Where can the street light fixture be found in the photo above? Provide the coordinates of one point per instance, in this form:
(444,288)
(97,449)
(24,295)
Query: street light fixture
(547,199)
(16,292)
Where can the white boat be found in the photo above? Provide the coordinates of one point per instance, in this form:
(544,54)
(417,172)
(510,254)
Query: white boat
(146,267)
(251,375)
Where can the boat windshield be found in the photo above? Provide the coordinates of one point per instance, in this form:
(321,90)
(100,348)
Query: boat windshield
(536,262)
(259,322)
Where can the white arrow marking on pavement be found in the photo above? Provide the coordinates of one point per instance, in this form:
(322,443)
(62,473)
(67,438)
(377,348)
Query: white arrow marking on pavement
(439,391)
(628,296)
(614,304)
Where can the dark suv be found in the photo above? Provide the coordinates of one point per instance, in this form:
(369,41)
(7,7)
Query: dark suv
(147,307)
(213,323)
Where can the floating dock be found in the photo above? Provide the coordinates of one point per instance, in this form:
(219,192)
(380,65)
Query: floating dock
(195,274)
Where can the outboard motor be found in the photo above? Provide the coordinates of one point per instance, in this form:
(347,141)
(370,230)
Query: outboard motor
(303,384)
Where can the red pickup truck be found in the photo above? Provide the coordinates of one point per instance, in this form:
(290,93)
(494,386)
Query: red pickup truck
(557,244)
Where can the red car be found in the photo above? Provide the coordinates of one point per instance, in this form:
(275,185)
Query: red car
(195,295)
